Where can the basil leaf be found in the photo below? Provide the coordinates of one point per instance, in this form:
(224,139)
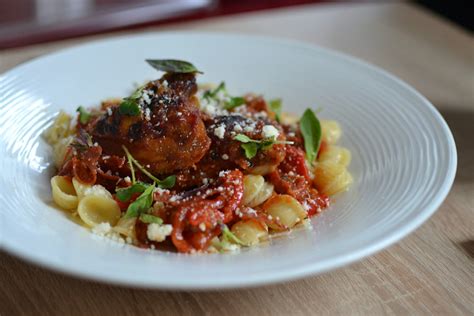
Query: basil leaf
(125,194)
(243,138)
(250,149)
(252,146)
(311,130)
(129,107)
(167,183)
(84,116)
(151,219)
(141,204)
(173,65)
(275,106)
(233,102)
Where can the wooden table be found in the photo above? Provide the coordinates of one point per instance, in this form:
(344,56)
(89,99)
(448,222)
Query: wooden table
(431,271)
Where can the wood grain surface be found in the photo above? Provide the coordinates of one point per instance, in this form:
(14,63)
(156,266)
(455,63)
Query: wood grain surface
(429,272)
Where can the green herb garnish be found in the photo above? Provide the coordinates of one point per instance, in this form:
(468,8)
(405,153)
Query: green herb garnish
(233,102)
(150,219)
(141,204)
(252,146)
(84,116)
(125,194)
(166,183)
(145,200)
(212,94)
(173,65)
(250,150)
(311,130)
(129,106)
(228,102)
(275,106)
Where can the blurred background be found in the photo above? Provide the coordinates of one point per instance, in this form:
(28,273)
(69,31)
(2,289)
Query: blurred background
(26,22)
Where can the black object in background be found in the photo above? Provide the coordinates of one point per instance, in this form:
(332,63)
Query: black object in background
(459,12)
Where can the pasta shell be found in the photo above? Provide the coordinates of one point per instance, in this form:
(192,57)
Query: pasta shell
(64,194)
(264,194)
(286,209)
(252,186)
(59,130)
(126,227)
(250,232)
(339,184)
(331,177)
(336,154)
(80,188)
(331,131)
(96,209)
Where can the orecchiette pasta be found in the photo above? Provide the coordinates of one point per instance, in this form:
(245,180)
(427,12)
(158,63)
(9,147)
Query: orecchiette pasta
(331,131)
(336,154)
(250,232)
(339,184)
(59,130)
(330,173)
(126,227)
(264,194)
(94,204)
(80,188)
(252,185)
(284,209)
(256,190)
(331,177)
(96,209)
(64,194)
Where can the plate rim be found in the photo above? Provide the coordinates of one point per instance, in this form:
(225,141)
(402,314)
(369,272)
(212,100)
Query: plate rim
(301,271)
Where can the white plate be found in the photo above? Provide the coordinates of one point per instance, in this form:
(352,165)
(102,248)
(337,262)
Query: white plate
(404,156)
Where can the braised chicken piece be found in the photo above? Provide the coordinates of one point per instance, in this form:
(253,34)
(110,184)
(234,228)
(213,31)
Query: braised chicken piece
(168,134)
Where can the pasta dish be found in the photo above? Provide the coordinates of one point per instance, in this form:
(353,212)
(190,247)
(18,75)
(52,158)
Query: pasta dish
(193,168)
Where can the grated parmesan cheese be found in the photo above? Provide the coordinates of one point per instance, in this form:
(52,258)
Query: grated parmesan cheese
(102,229)
(209,109)
(237,128)
(146,97)
(147,114)
(220,131)
(157,232)
(270,131)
